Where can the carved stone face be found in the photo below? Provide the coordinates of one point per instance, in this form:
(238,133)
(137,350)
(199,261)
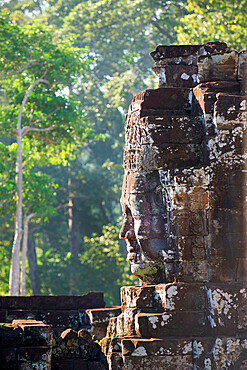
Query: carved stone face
(145,227)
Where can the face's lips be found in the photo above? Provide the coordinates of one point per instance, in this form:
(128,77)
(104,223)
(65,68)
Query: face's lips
(133,250)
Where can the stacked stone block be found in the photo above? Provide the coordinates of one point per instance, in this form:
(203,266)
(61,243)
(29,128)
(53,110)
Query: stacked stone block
(77,350)
(61,312)
(188,138)
(25,344)
(59,341)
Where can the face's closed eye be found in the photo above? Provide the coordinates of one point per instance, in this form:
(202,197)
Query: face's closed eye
(145,216)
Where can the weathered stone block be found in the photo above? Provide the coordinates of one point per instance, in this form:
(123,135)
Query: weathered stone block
(10,335)
(3,316)
(242,310)
(112,327)
(138,297)
(158,362)
(205,94)
(242,269)
(21,314)
(191,223)
(176,75)
(126,322)
(190,199)
(172,112)
(61,318)
(194,271)
(226,220)
(115,361)
(221,269)
(139,159)
(206,101)
(231,87)
(192,248)
(179,156)
(35,357)
(69,364)
(218,67)
(233,197)
(162,52)
(99,319)
(172,130)
(110,345)
(171,324)
(59,302)
(242,65)
(167,98)
(34,332)
(188,177)
(95,365)
(67,344)
(181,296)
(229,111)
(136,183)
(229,245)
(225,304)
(164,156)
(156,347)
(8,358)
(220,353)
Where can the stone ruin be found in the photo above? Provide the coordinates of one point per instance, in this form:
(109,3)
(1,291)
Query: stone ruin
(184,207)
(49,332)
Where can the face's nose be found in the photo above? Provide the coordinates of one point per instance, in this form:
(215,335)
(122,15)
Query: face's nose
(127,230)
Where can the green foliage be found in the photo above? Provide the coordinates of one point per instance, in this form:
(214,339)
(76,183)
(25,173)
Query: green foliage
(209,20)
(103,266)
(50,105)
(29,54)
(118,35)
(7,177)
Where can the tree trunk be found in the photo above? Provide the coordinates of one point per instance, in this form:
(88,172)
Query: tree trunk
(14,276)
(15,262)
(73,241)
(24,254)
(33,267)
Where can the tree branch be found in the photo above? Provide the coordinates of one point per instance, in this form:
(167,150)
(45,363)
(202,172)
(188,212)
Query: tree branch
(46,139)
(19,70)
(27,218)
(39,80)
(43,119)
(155,23)
(27,129)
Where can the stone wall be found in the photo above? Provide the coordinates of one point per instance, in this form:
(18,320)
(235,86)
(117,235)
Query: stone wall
(49,332)
(61,311)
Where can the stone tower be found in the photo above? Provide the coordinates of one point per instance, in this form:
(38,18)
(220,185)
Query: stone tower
(184,206)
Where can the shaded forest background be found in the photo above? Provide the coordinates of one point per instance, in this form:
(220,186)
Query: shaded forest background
(73,174)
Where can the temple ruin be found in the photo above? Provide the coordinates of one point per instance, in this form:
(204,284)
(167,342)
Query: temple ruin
(184,208)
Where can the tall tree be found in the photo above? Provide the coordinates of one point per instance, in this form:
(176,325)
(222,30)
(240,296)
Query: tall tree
(209,20)
(119,36)
(35,72)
